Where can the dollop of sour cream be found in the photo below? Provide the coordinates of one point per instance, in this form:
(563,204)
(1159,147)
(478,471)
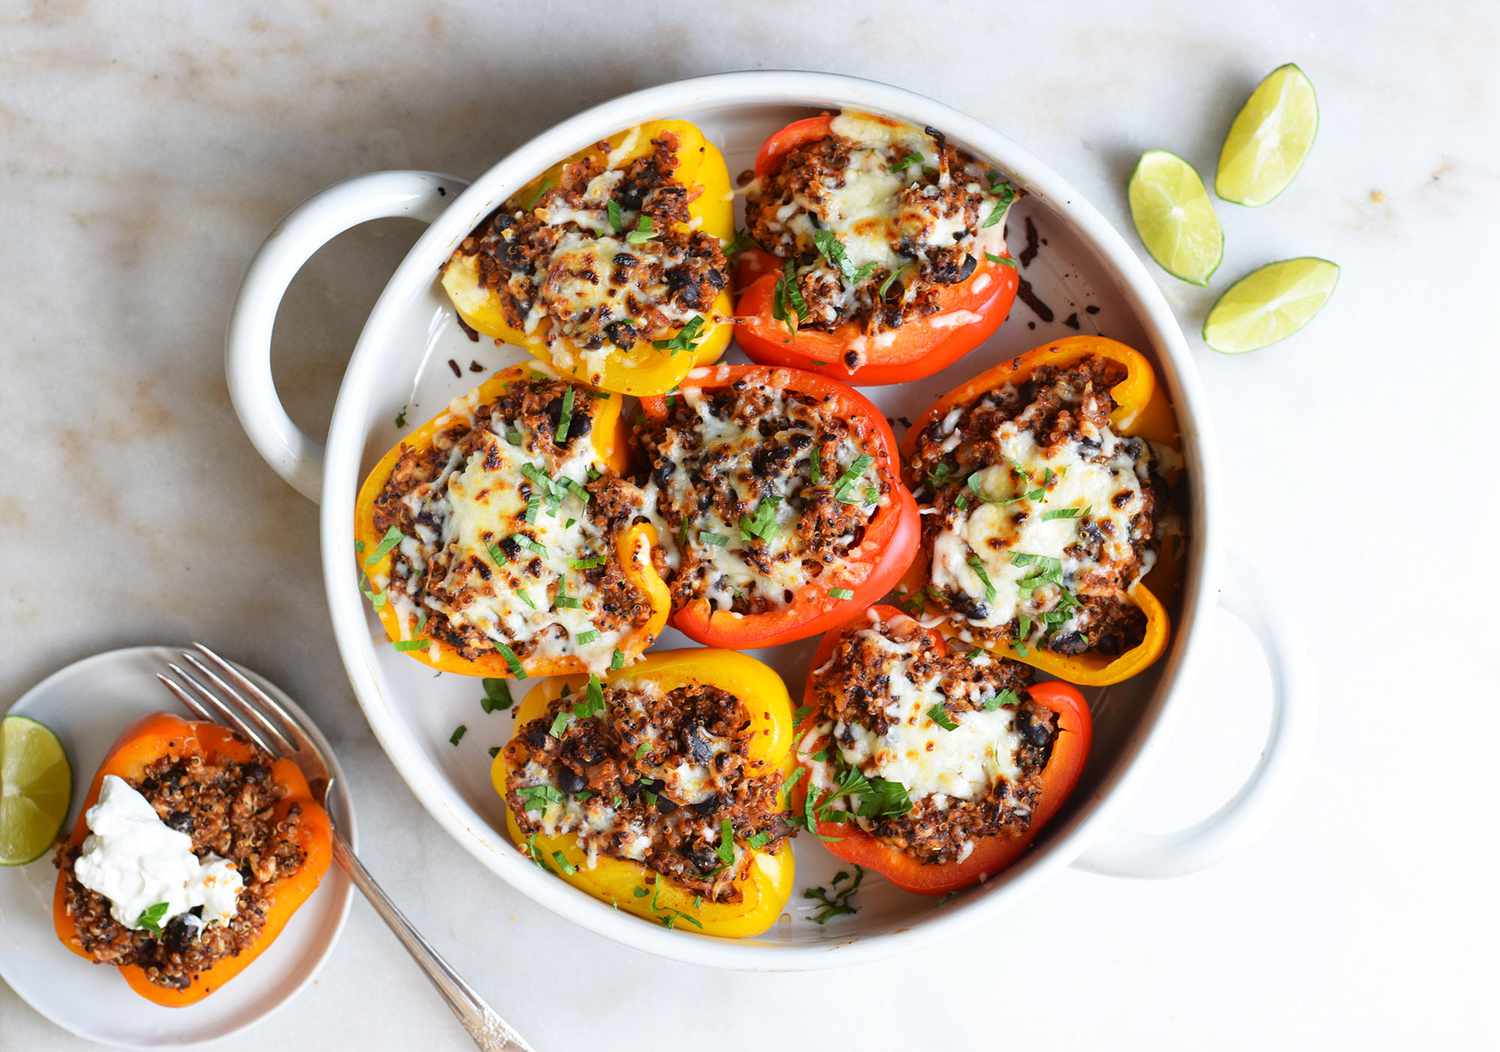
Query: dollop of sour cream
(137,861)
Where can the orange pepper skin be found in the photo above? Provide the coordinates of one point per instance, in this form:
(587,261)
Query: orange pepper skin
(917,349)
(1141,410)
(767,884)
(888,546)
(633,545)
(162,735)
(990,854)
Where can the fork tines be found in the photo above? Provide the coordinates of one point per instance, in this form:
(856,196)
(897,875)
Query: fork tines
(234,700)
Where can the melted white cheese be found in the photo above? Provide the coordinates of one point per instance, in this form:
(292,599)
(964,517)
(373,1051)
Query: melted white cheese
(478,504)
(916,751)
(729,571)
(1086,482)
(137,861)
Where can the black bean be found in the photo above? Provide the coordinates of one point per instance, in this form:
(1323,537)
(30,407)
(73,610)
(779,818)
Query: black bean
(570,781)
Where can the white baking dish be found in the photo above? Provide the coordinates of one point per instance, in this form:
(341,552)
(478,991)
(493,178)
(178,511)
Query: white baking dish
(401,361)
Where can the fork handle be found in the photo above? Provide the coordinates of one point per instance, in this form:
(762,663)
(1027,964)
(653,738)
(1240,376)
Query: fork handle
(489,1031)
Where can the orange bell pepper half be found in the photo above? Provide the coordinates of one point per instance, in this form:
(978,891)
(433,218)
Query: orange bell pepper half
(633,545)
(918,348)
(163,735)
(1141,409)
(887,548)
(991,854)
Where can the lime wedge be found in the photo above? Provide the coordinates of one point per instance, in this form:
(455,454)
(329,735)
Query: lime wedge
(1174,217)
(36,787)
(1269,139)
(1269,304)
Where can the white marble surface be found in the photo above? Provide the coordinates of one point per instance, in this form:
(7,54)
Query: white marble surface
(146,151)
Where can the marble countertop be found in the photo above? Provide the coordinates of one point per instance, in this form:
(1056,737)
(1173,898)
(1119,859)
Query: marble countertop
(147,149)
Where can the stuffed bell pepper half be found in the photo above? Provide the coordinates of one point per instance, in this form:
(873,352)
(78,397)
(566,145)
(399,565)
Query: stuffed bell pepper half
(1043,484)
(934,767)
(236,845)
(659,789)
(876,250)
(778,498)
(499,538)
(610,265)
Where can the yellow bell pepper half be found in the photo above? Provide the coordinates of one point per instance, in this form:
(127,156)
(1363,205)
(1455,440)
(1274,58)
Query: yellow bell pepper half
(766,885)
(642,369)
(633,545)
(1141,409)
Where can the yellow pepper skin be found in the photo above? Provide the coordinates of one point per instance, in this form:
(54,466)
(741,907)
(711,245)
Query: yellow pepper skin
(633,546)
(766,887)
(643,369)
(1141,410)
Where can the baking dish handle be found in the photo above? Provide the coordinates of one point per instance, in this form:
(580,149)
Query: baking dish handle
(1250,811)
(291,452)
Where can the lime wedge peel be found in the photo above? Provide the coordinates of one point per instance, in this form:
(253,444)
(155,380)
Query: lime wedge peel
(1174,217)
(36,788)
(1269,139)
(1269,304)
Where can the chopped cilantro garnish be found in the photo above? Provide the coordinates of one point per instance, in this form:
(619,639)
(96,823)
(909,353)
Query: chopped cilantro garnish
(525,597)
(1006,260)
(718,540)
(496,695)
(152,916)
(841,593)
(529,542)
(686,338)
(851,474)
(494,751)
(815,465)
(641,750)
(412,644)
(1005,194)
(891,278)
(497,554)
(644,231)
(616,661)
(563,863)
(977,565)
(537,797)
(587,564)
(1005,699)
(393,537)
(757,840)
(586,637)
(565,416)
(939,714)
(534,853)
(560,723)
(835,901)
(1064,513)
(511,661)
(726,842)
(616,218)
(907,161)
(832,249)
(762,524)
(458,734)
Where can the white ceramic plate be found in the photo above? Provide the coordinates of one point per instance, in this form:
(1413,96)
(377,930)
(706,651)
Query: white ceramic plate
(87,705)
(402,360)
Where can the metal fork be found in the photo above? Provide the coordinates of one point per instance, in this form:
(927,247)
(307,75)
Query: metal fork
(229,697)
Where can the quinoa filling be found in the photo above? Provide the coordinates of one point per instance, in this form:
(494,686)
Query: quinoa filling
(229,811)
(506,533)
(1038,517)
(872,221)
(651,776)
(758,490)
(929,752)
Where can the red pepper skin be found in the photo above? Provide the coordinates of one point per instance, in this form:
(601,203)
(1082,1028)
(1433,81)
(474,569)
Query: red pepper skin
(991,854)
(919,348)
(885,553)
